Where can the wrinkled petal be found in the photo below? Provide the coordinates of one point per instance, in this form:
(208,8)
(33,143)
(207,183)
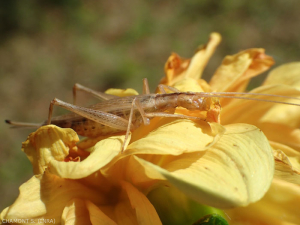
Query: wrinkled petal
(236,70)
(49,146)
(177,68)
(287,163)
(280,206)
(235,171)
(49,143)
(45,196)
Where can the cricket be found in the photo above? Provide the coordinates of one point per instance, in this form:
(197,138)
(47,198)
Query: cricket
(115,114)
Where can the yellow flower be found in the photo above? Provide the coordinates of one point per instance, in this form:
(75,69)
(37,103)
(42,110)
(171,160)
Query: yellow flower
(222,166)
(278,122)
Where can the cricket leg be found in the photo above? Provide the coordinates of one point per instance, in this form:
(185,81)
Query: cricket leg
(22,124)
(135,103)
(98,116)
(129,123)
(101,95)
(97,94)
(162,87)
(146,89)
(163,114)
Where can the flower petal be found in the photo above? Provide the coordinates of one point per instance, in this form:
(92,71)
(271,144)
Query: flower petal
(252,112)
(287,166)
(236,70)
(45,196)
(236,171)
(97,216)
(177,68)
(101,154)
(190,84)
(80,211)
(145,212)
(203,54)
(75,212)
(48,143)
(277,121)
(280,206)
(130,206)
(288,74)
(121,92)
(174,137)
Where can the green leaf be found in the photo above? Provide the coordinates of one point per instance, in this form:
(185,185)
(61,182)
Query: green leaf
(174,207)
(212,219)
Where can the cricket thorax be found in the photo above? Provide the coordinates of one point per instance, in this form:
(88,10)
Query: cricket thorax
(191,101)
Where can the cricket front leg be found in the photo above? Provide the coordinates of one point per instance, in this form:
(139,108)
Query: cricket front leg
(146,121)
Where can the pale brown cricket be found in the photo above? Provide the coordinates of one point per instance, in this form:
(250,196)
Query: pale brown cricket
(119,114)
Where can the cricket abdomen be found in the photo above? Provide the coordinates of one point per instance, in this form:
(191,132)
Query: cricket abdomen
(86,127)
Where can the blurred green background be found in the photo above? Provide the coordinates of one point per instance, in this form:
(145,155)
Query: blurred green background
(48,46)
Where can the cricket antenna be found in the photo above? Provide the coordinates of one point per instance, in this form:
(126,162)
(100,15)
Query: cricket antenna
(242,95)
(21,124)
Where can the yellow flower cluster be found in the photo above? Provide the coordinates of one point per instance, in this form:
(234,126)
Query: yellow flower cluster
(226,161)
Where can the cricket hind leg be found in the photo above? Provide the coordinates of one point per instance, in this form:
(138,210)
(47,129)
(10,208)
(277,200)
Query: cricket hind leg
(103,118)
(100,95)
